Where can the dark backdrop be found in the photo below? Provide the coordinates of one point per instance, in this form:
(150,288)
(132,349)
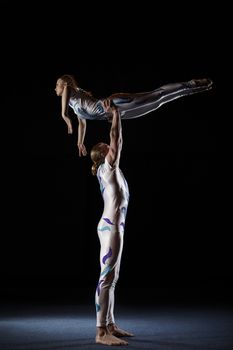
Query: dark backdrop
(174,235)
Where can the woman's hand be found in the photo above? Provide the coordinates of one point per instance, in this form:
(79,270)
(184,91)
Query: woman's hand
(69,125)
(82,150)
(70,128)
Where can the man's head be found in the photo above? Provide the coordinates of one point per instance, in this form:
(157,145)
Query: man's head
(98,154)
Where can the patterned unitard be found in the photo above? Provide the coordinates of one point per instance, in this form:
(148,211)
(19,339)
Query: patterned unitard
(115,193)
(134,105)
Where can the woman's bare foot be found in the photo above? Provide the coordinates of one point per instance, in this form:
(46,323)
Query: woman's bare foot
(201,83)
(116,331)
(104,337)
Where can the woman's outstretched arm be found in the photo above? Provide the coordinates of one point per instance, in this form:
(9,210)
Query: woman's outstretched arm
(64,109)
(81,136)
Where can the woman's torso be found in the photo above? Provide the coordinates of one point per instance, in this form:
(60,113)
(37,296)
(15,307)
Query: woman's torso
(85,105)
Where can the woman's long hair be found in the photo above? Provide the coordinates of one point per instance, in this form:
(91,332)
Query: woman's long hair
(71,82)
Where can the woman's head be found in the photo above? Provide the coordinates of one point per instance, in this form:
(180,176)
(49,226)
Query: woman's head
(65,80)
(69,80)
(98,154)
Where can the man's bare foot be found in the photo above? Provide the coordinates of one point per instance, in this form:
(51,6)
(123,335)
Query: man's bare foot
(116,331)
(104,337)
(109,339)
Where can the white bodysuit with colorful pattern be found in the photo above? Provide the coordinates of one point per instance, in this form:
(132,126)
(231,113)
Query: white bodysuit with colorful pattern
(134,105)
(115,193)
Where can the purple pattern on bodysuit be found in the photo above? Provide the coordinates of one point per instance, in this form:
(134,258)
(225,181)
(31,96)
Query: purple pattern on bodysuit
(108,221)
(108,255)
(98,287)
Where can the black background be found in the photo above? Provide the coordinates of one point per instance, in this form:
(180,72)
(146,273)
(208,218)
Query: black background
(175,234)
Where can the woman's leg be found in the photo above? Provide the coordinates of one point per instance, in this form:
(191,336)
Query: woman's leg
(139,104)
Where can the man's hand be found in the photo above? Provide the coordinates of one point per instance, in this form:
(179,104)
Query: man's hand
(109,108)
(82,150)
(107,105)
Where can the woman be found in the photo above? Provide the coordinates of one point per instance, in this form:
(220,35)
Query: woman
(115,193)
(130,105)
